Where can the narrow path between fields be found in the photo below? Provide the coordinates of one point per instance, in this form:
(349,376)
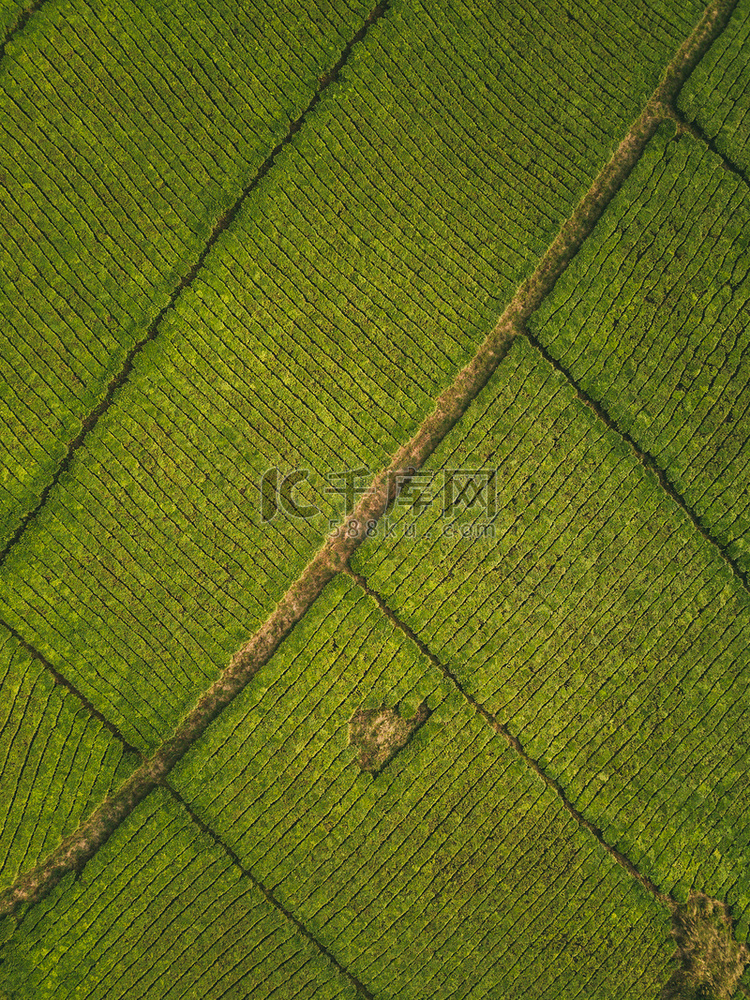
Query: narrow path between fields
(515,744)
(697,133)
(704,955)
(449,408)
(234,858)
(647,461)
(76,850)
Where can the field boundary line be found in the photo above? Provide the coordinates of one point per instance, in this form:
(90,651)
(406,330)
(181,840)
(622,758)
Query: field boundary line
(693,129)
(236,861)
(515,744)
(118,380)
(334,555)
(645,458)
(63,682)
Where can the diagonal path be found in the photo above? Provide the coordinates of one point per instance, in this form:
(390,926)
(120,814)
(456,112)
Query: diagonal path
(63,682)
(73,854)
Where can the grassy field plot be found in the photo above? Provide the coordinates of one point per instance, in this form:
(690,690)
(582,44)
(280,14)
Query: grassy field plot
(162,912)
(597,624)
(127,130)
(354,282)
(717,95)
(652,320)
(57,763)
(453,872)
(499,750)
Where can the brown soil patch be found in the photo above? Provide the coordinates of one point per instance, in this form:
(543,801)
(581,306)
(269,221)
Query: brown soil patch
(711,960)
(380,733)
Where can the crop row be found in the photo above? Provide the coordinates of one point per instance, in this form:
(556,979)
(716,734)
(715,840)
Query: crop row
(717,95)
(162,912)
(126,132)
(323,324)
(596,622)
(56,762)
(454,872)
(651,319)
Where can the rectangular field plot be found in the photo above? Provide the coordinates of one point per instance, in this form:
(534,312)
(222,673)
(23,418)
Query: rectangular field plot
(57,763)
(717,95)
(596,623)
(452,872)
(127,129)
(652,320)
(355,281)
(161,913)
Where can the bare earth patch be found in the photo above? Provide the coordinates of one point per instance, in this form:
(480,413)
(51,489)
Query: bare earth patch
(380,733)
(712,961)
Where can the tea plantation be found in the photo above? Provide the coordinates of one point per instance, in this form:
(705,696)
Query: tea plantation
(374,518)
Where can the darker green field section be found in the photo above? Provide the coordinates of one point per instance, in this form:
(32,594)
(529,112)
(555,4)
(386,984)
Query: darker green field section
(717,95)
(595,622)
(128,129)
(57,763)
(652,321)
(12,13)
(455,872)
(355,281)
(162,912)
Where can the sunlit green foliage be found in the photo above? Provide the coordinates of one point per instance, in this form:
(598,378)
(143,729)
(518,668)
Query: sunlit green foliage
(717,95)
(652,320)
(354,788)
(56,762)
(162,912)
(454,872)
(597,623)
(356,279)
(126,129)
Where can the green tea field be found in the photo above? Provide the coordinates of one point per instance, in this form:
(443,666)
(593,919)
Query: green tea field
(375,500)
